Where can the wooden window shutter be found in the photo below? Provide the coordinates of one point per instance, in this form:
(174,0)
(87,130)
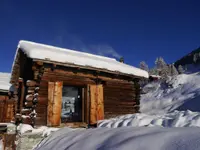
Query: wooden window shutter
(54,103)
(100,102)
(96,103)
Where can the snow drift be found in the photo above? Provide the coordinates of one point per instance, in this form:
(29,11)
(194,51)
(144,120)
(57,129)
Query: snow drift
(165,104)
(173,119)
(181,92)
(128,138)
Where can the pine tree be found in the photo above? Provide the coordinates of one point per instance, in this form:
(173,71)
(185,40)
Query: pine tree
(144,66)
(153,71)
(180,69)
(165,72)
(160,63)
(173,70)
(162,68)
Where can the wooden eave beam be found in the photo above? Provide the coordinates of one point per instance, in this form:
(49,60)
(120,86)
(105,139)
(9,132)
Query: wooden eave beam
(88,68)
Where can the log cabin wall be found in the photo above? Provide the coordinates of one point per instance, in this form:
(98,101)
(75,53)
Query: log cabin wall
(6,108)
(51,75)
(120,93)
(119,98)
(22,72)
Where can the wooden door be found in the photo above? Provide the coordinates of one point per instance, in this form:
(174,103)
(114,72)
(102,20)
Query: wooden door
(54,103)
(96,103)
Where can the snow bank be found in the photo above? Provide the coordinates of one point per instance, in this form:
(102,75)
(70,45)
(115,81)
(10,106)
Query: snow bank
(4,81)
(129,138)
(1,145)
(181,92)
(29,136)
(44,130)
(173,119)
(45,52)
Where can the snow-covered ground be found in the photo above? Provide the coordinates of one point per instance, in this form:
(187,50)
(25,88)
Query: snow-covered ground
(125,138)
(164,109)
(174,103)
(178,93)
(173,119)
(28,136)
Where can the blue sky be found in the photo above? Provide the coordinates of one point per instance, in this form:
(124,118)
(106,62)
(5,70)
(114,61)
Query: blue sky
(135,29)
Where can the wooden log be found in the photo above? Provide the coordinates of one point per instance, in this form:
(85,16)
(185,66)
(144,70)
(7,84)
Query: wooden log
(119,89)
(15,96)
(36,73)
(28,104)
(3,98)
(31,83)
(35,100)
(29,97)
(31,88)
(31,91)
(26,111)
(122,103)
(29,100)
(27,120)
(40,63)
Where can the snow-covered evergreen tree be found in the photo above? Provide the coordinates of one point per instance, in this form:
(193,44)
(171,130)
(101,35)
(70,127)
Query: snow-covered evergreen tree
(144,66)
(173,70)
(195,58)
(180,69)
(153,71)
(160,63)
(165,72)
(162,67)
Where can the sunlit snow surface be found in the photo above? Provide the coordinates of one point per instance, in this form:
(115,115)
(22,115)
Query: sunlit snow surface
(4,81)
(125,138)
(46,52)
(165,109)
(183,93)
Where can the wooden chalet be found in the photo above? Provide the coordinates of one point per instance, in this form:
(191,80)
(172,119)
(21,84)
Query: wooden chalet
(58,86)
(6,104)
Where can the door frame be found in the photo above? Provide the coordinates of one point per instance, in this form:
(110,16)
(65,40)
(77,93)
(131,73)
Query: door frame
(79,88)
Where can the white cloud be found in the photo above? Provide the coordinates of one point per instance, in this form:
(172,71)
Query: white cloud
(71,41)
(105,50)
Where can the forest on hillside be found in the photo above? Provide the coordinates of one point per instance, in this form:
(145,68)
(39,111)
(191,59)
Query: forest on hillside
(165,70)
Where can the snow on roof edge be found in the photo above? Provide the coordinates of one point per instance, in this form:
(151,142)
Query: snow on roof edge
(34,51)
(64,49)
(4,82)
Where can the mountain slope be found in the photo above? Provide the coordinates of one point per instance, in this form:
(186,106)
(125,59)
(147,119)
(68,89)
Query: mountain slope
(187,59)
(181,92)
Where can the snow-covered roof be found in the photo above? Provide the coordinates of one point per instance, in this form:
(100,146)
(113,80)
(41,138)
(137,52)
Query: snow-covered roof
(4,81)
(67,56)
